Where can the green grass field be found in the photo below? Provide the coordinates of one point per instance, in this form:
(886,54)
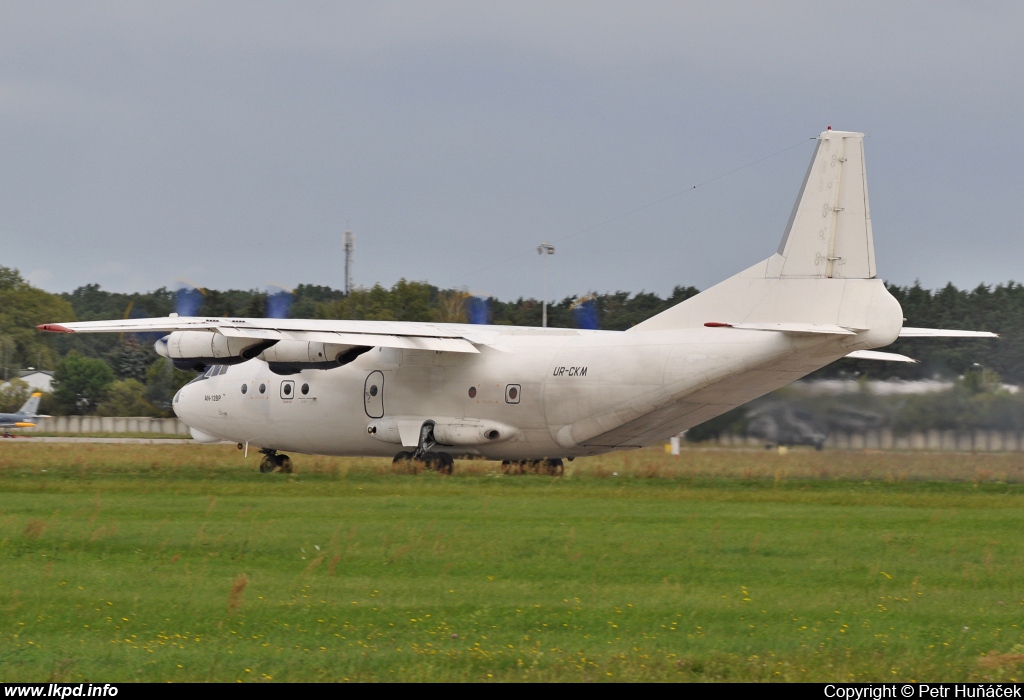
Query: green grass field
(153,563)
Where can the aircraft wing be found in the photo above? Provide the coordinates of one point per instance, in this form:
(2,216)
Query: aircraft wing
(405,334)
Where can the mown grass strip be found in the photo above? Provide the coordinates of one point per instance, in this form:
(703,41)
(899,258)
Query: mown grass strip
(183,563)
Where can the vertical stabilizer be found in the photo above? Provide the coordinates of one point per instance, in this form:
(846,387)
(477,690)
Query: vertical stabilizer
(31,406)
(824,270)
(829,232)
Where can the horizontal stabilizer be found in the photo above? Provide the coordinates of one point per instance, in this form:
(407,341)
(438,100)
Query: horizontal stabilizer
(799,328)
(943,333)
(875,355)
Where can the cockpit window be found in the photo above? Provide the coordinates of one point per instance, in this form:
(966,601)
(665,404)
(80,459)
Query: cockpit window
(211,371)
(201,377)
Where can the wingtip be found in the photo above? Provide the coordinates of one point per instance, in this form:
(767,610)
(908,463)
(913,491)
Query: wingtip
(53,328)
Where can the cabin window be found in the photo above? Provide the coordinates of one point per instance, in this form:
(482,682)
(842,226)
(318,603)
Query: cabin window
(512,392)
(287,389)
(245,388)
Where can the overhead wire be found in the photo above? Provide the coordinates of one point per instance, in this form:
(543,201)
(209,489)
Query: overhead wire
(641,208)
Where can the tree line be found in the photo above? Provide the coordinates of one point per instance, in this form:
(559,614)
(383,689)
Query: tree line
(116,374)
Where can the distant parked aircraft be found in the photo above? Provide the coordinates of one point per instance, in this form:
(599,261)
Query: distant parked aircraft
(24,417)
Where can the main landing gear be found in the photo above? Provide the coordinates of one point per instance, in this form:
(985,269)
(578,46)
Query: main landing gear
(441,462)
(274,462)
(553,467)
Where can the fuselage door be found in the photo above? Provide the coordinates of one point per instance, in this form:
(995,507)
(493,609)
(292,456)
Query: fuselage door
(373,394)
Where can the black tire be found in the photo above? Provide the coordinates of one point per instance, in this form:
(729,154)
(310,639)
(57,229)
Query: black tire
(268,464)
(514,467)
(554,467)
(284,462)
(445,463)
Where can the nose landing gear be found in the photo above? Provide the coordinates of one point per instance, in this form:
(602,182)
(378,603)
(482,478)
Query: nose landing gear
(272,462)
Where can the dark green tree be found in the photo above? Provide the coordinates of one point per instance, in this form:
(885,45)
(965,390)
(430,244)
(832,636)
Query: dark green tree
(127,397)
(162,382)
(80,384)
(13,395)
(22,308)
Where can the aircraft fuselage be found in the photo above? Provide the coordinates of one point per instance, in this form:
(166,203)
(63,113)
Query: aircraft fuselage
(544,394)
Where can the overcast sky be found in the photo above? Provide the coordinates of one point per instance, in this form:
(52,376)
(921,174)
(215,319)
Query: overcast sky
(231,143)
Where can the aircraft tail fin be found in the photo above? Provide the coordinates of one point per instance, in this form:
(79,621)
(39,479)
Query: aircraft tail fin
(824,270)
(829,232)
(32,405)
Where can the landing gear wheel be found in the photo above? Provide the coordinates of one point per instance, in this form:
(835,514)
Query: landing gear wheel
(514,467)
(444,463)
(429,462)
(273,462)
(554,467)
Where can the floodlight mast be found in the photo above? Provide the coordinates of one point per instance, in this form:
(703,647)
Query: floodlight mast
(350,246)
(544,250)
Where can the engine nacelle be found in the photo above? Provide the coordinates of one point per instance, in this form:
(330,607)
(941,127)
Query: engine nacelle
(196,349)
(291,356)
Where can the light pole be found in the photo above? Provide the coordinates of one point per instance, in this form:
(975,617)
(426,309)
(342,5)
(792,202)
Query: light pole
(544,250)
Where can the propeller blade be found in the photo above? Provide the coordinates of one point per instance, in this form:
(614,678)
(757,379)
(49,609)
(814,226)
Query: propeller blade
(584,313)
(478,309)
(279,302)
(188,299)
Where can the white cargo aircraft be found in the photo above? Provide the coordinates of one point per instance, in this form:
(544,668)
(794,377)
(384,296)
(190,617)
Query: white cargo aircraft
(428,391)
